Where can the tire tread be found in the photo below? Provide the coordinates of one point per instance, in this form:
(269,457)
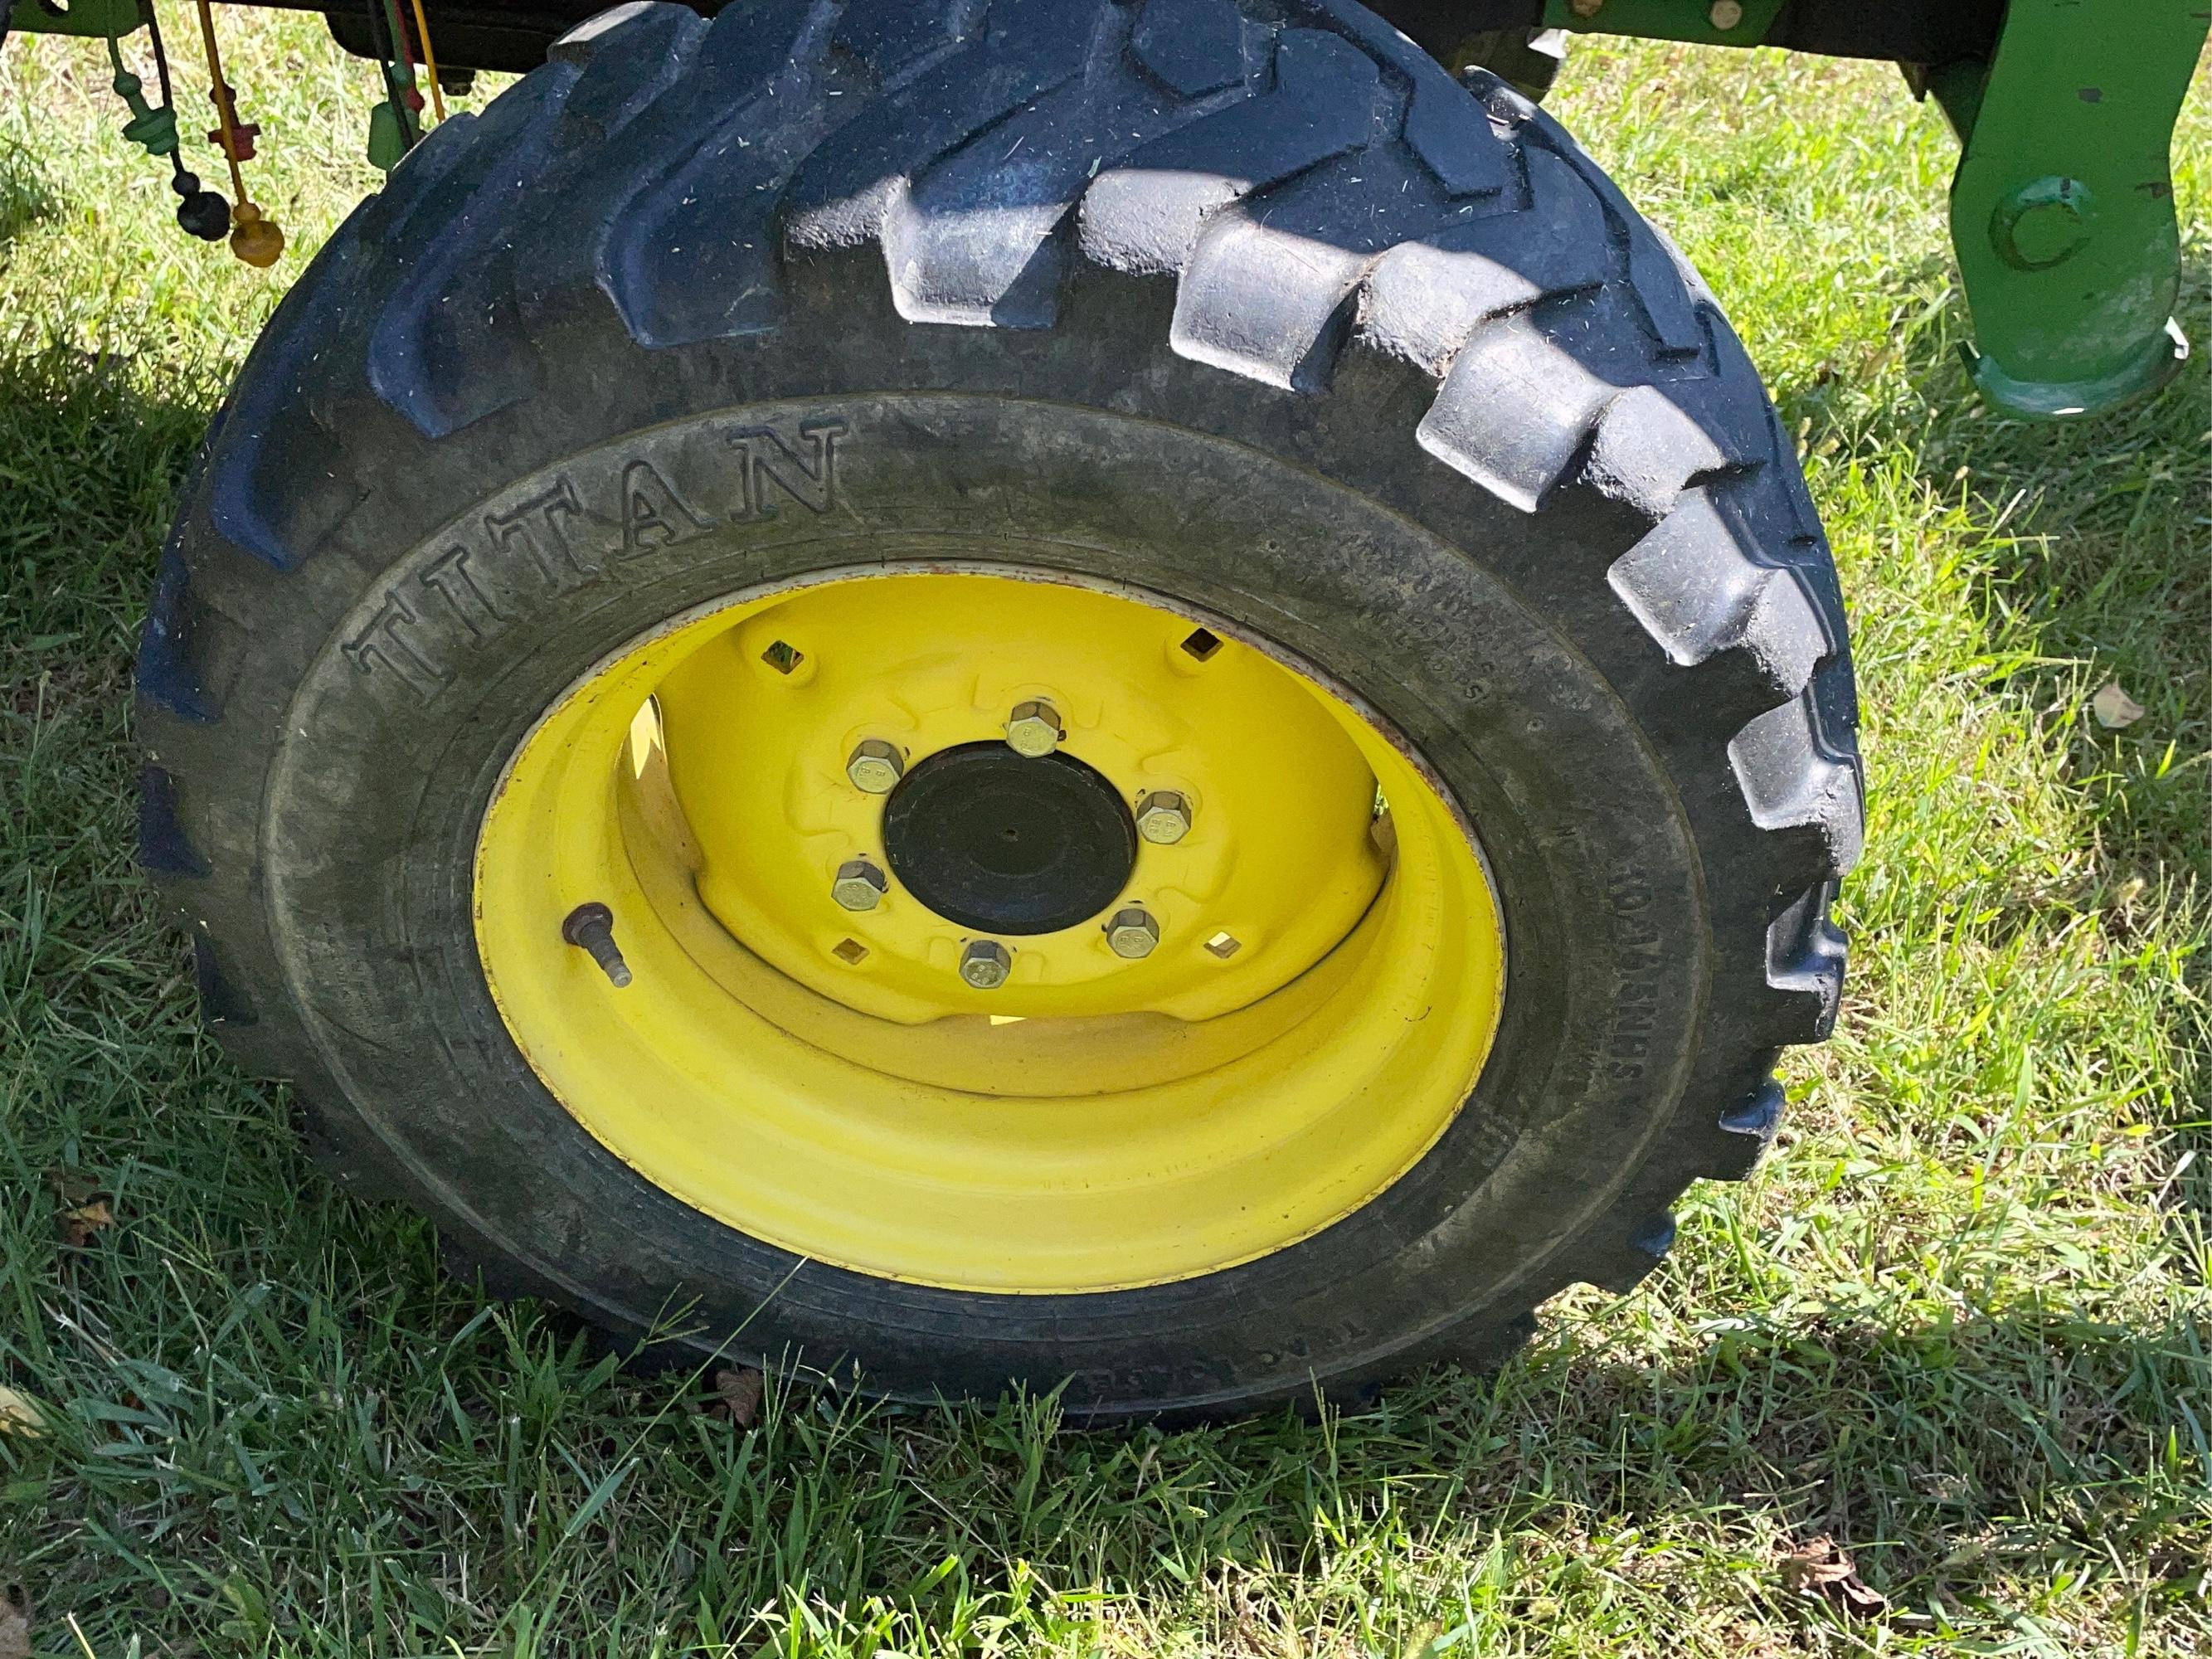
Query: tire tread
(1316,188)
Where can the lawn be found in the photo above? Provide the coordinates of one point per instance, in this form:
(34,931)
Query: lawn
(1955,1329)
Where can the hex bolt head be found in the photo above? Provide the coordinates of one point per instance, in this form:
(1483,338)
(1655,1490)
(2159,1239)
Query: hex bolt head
(1033,729)
(859,885)
(1726,13)
(985,964)
(875,766)
(1585,8)
(1132,932)
(1164,817)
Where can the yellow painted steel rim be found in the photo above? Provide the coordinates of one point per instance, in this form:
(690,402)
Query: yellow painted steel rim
(1325,988)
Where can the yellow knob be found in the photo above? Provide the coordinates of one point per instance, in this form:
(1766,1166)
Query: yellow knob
(257,240)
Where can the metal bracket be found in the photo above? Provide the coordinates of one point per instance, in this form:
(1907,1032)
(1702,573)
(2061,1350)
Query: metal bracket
(98,19)
(2061,210)
(1707,22)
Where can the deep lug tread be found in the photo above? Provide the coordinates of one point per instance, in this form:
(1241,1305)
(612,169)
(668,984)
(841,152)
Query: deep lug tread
(164,849)
(1321,105)
(1747,1130)
(1270,290)
(1424,298)
(1635,1255)
(1030,171)
(1572,355)
(1655,269)
(843,190)
(1791,782)
(1805,954)
(1514,413)
(1454,138)
(1648,449)
(692,254)
(262,440)
(164,677)
(1697,599)
(1192,46)
(427,316)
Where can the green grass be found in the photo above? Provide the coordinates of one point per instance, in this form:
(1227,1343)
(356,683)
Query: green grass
(1956,1324)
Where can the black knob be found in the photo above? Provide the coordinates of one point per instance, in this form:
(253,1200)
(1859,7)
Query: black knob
(202,213)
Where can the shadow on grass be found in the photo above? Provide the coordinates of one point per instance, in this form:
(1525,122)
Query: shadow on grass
(24,197)
(343,1466)
(91,449)
(2107,568)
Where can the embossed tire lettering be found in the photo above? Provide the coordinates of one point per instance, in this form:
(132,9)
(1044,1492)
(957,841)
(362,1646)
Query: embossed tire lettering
(1249,310)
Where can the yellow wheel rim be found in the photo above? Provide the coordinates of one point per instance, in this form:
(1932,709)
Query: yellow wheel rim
(1320,988)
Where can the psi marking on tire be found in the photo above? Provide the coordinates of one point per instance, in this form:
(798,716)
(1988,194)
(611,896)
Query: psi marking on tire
(1635,1014)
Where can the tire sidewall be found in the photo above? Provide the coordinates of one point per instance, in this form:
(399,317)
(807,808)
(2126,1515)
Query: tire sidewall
(403,723)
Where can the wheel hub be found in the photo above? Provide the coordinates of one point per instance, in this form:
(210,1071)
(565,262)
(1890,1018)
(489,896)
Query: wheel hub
(1007,843)
(989,930)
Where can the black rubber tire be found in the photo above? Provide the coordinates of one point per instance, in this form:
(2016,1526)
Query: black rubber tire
(1255,307)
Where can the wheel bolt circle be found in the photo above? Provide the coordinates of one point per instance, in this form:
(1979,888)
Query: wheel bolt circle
(1034,728)
(859,885)
(985,964)
(1164,817)
(875,766)
(1132,932)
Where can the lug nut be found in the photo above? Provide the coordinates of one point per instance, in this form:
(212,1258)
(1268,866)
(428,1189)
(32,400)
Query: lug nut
(875,767)
(985,964)
(1033,729)
(1164,817)
(1132,932)
(859,885)
(591,927)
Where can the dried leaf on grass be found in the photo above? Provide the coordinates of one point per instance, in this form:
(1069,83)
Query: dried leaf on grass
(20,1414)
(737,1396)
(2114,708)
(14,1625)
(1825,1568)
(84,1208)
(79,1224)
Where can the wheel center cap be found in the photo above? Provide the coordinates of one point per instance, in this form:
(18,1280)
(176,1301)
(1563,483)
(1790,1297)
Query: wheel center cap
(1003,843)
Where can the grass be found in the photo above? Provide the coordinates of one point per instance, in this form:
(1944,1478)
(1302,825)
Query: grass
(1956,1326)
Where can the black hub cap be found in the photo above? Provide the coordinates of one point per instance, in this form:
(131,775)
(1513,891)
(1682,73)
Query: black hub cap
(1004,844)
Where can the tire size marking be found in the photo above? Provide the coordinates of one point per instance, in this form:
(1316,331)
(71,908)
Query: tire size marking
(545,538)
(1636,956)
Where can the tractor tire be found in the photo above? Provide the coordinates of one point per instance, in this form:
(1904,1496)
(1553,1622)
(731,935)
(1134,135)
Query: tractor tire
(1236,328)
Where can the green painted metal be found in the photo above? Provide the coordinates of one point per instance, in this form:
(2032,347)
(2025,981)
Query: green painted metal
(2061,210)
(1708,23)
(111,18)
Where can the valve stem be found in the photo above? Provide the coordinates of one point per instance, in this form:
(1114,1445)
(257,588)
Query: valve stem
(591,927)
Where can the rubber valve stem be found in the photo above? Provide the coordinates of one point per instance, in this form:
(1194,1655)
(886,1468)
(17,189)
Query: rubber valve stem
(591,928)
